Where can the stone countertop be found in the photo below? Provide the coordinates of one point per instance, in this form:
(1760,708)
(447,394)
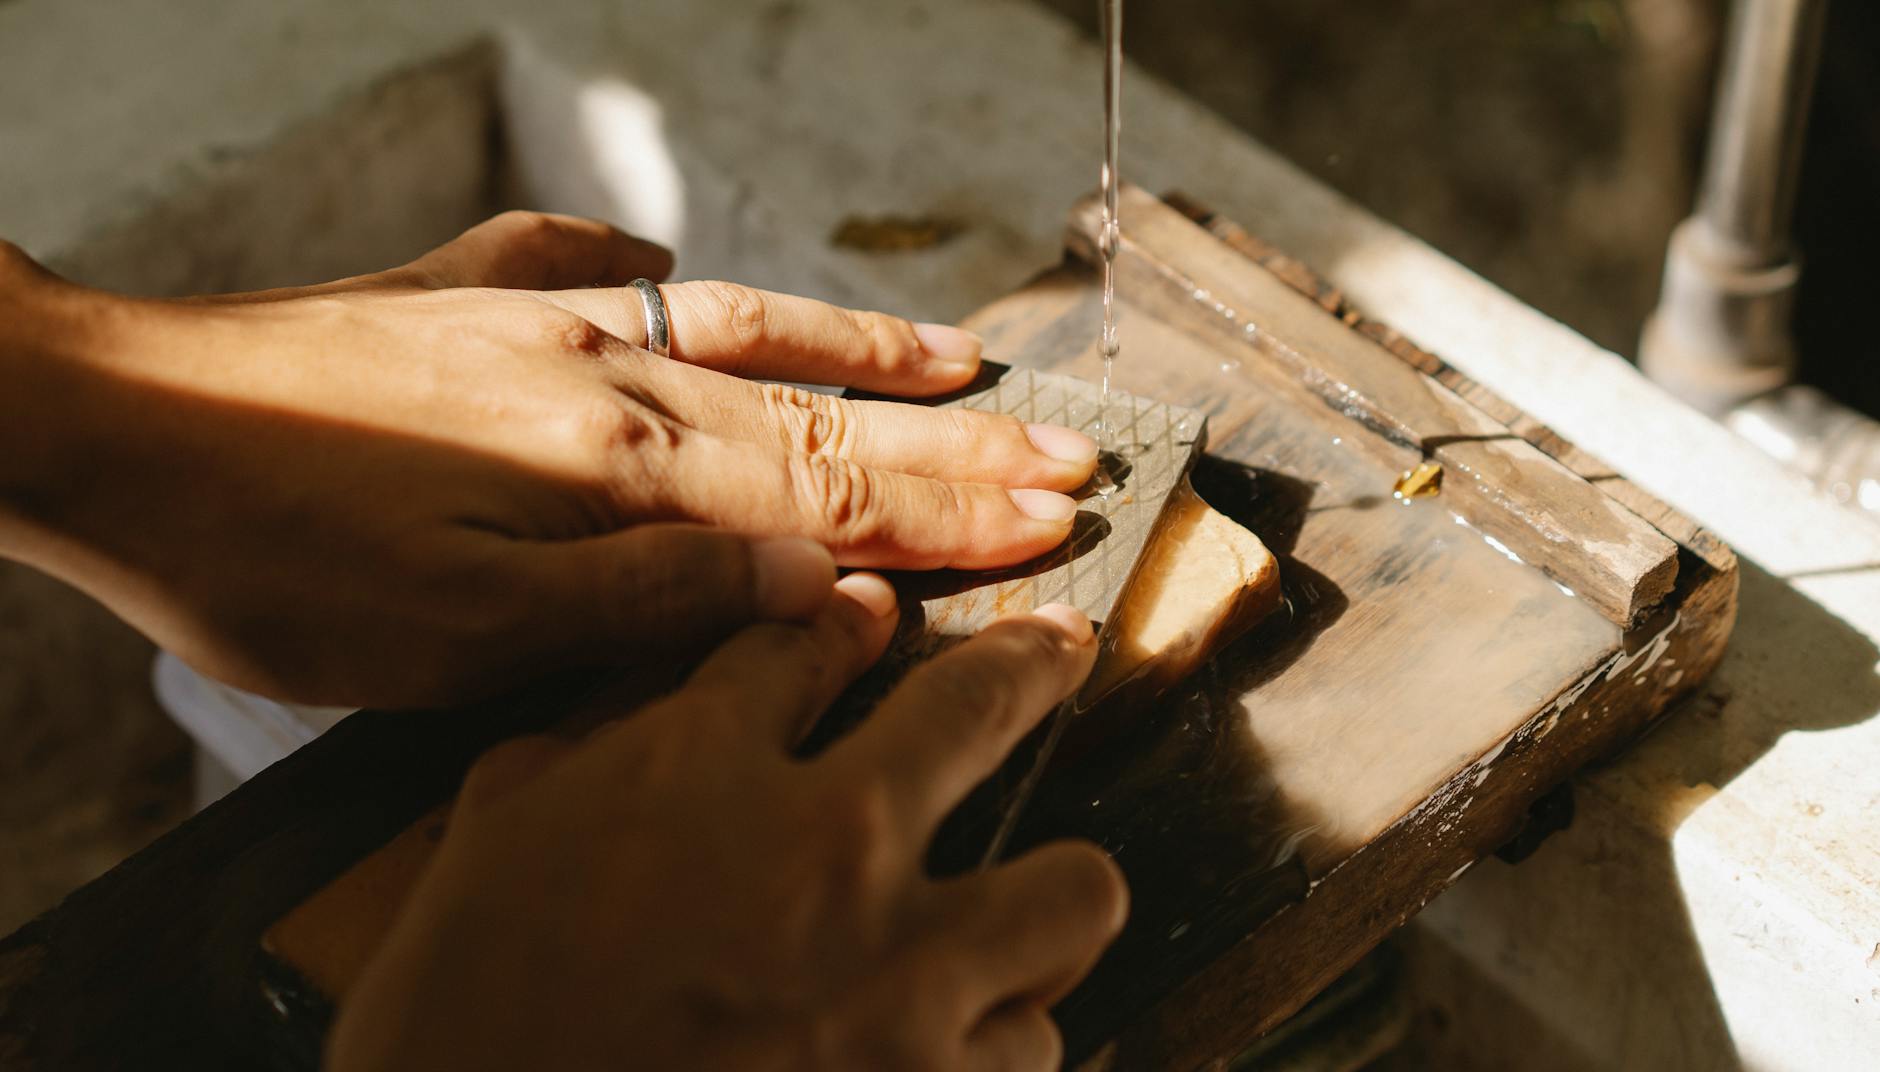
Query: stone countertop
(1725,874)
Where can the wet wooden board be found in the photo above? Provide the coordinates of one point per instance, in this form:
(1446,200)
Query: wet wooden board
(1277,815)
(1443,662)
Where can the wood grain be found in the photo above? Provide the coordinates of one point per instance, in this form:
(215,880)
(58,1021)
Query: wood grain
(1518,494)
(1675,526)
(1277,815)
(1324,801)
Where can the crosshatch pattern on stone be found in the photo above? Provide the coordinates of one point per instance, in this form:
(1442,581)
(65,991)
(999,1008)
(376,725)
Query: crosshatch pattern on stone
(1150,450)
(1154,446)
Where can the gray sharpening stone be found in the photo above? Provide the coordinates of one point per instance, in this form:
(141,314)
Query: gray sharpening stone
(1150,447)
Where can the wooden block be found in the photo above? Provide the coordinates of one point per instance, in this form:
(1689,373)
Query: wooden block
(1530,503)
(1329,773)
(1203,581)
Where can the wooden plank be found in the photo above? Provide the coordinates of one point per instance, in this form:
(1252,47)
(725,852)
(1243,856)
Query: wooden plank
(1325,508)
(1301,278)
(1267,976)
(152,964)
(1416,787)
(1531,503)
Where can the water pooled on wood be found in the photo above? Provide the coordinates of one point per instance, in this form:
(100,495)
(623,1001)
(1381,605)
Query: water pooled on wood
(1423,482)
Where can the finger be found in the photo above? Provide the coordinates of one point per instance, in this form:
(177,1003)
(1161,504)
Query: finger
(777,678)
(1020,1039)
(513,763)
(953,719)
(540,251)
(763,335)
(869,518)
(1031,929)
(945,444)
(663,590)
(515,250)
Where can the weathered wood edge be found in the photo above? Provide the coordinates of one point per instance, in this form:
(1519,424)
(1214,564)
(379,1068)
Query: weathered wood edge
(153,964)
(1679,528)
(1227,1006)
(1628,566)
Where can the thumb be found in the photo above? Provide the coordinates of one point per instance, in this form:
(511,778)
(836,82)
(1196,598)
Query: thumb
(669,590)
(513,251)
(510,765)
(539,251)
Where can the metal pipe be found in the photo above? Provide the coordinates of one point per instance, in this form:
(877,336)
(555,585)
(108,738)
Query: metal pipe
(1720,334)
(1757,131)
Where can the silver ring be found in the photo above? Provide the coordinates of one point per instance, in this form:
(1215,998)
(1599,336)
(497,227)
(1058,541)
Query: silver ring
(658,324)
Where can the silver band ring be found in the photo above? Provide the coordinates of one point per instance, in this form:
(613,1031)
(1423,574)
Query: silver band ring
(658,324)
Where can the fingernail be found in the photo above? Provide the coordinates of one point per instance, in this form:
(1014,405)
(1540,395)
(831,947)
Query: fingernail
(1068,618)
(1041,505)
(944,342)
(1057,441)
(871,590)
(792,576)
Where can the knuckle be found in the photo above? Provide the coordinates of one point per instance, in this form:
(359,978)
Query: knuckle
(522,221)
(859,815)
(890,337)
(615,454)
(497,768)
(588,431)
(975,428)
(811,423)
(977,695)
(856,825)
(839,492)
(1028,643)
(793,646)
(576,335)
(1089,877)
(741,312)
(614,436)
(632,429)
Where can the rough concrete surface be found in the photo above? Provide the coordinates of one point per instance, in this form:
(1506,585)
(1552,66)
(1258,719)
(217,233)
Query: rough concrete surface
(1721,884)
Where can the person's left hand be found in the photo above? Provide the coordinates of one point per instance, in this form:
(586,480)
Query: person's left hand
(417,486)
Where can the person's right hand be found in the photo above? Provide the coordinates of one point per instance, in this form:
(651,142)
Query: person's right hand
(418,486)
(678,891)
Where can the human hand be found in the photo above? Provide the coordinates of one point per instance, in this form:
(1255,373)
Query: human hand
(413,487)
(678,891)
